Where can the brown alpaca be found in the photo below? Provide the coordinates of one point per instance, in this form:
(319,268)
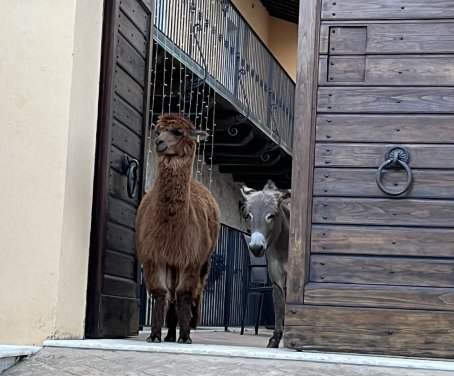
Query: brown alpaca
(177,228)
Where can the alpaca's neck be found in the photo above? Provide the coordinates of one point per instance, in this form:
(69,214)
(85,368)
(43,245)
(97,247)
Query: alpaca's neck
(172,184)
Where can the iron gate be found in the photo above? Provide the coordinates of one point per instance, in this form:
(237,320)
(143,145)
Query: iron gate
(223,297)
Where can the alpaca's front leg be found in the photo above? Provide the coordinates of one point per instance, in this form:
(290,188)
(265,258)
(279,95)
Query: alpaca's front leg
(155,279)
(185,293)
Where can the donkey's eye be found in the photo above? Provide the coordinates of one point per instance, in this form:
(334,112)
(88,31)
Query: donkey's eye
(177,132)
(269,217)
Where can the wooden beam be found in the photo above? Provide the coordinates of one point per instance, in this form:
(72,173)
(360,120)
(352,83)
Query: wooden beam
(303,152)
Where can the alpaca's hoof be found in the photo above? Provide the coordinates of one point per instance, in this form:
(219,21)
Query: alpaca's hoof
(169,339)
(153,338)
(273,343)
(184,339)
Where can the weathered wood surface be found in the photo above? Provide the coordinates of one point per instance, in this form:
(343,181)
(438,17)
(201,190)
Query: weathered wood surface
(386,99)
(130,31)
(303,152)
(375,296)
(365,270)
(130,60)
(386,128)
(128,89)
(383,212)
(126,140)
(391,70)
(118,183)
(349,182)
(119,286)
(372,155)
(124,113)
(121,213)
(382,241)
(379,331)
(119,264)
(138,14)
(120,238)
(386,9)
(401,37)
(119,316)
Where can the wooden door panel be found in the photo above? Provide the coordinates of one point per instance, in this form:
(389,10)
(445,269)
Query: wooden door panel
(126,115)
(386,128)
(392,70)
(418,100)
(379,296)
(128,89)
(362,330)
(119,238)
(386,9)
(399,37)
(113,297)
(372,155)
(132,33)
(382,271)
(348,182)
(382,241)
(130,59)
(384,212)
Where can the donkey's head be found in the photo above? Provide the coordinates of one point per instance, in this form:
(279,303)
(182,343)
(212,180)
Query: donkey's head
(265,211)
(176,135)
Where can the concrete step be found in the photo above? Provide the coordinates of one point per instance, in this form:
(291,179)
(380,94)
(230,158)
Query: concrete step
(11,354)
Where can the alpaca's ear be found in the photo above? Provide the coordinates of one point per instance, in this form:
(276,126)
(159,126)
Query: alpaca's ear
(198,135)
(270,185)
(246,192)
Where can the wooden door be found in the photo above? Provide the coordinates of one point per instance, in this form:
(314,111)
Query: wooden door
(114,273)
(371,272)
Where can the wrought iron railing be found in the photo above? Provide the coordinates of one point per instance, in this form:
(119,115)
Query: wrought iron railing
(224,291)
(213,39)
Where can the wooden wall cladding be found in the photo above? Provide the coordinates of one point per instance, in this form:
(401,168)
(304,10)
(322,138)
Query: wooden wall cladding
(382,241)
(397,37)
(380,296)
(370,99)
(386,9)
(375,331)
(402,70)
(387,128)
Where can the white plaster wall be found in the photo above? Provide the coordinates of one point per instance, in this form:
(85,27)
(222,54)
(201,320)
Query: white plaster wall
(49,72)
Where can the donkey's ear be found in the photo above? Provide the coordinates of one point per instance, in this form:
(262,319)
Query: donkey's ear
(285,194)
(270,186)
(246,191)
(198,135)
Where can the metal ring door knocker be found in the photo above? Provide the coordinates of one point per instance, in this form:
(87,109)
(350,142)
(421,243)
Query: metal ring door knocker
(396,158)
(131,170)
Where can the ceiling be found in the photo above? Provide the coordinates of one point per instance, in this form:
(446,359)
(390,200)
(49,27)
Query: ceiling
(284,9)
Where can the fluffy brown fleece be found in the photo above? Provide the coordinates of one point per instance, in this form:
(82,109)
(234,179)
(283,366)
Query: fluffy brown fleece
(177,228)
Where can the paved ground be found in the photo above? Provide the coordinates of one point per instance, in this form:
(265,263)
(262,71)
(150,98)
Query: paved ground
(174,359)
(63,361)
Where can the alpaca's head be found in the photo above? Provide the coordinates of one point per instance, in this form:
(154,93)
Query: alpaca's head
(177,136)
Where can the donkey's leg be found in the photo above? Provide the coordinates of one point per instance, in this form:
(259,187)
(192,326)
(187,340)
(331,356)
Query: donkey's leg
(186,294)
(277,276)
(155,279)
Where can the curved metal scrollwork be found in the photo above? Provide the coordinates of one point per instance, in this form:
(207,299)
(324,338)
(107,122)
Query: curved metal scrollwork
(131,170)
(396,158)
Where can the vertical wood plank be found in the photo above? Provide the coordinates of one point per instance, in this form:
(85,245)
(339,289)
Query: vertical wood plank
(303,139)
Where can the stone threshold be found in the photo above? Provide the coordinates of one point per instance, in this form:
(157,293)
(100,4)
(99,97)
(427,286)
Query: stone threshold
(254,352)
(11,354)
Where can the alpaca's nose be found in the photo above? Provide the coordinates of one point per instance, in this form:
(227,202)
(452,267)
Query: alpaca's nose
(158,141)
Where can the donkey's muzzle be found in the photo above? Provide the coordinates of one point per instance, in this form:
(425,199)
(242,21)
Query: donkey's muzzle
(258,244)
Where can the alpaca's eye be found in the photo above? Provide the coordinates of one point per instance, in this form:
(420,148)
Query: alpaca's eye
(177,132)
